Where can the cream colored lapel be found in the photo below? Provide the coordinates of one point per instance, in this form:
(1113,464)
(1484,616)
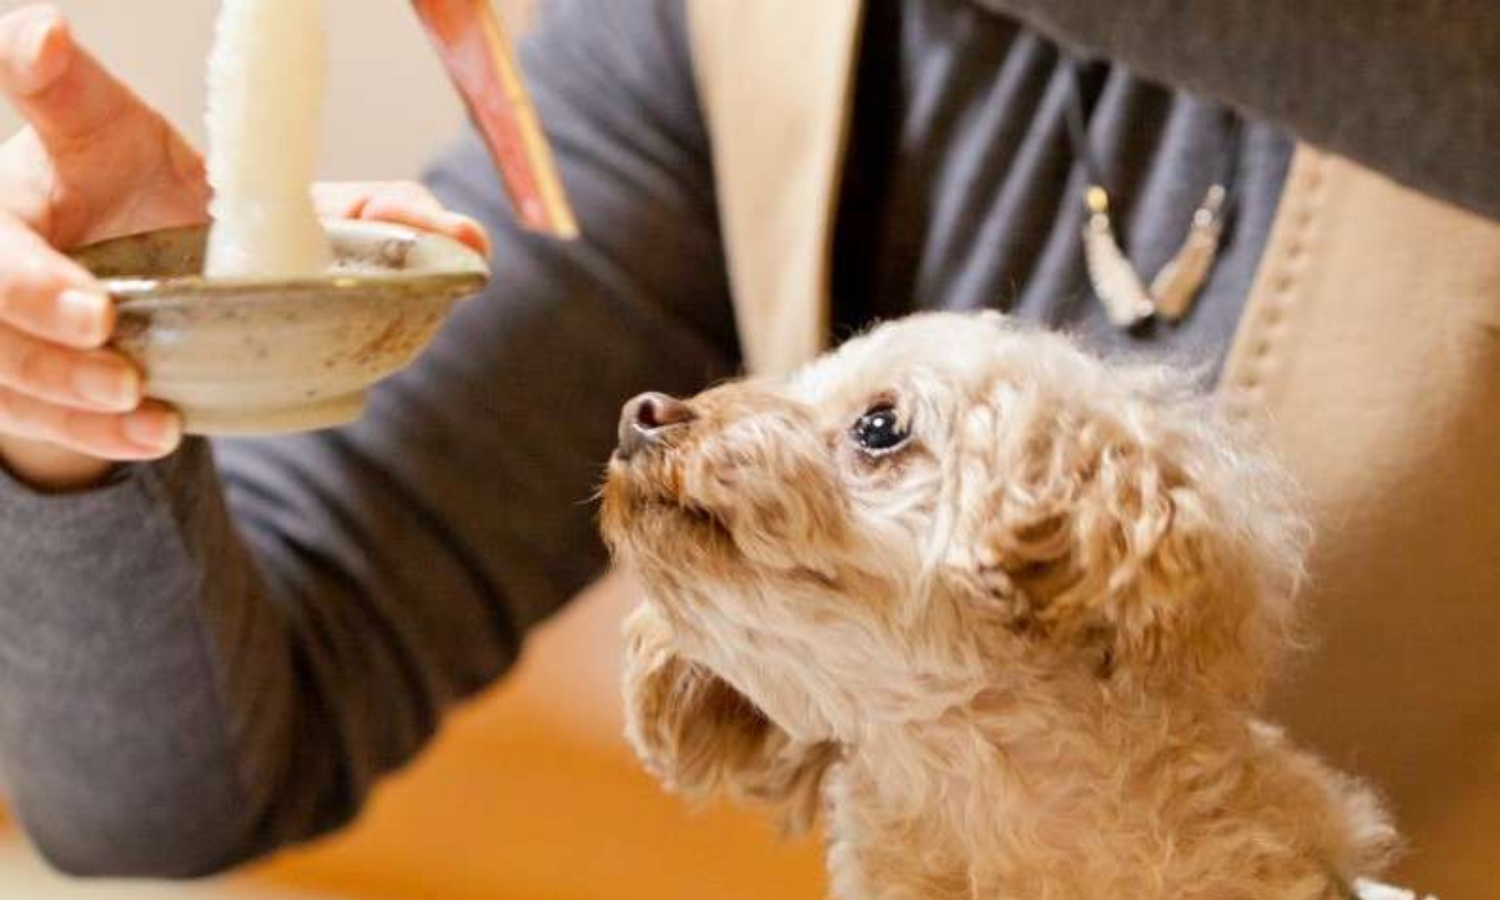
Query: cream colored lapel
(775,78)
(1373,309)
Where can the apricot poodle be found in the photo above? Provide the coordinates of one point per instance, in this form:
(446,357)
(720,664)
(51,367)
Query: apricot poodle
(1000,612)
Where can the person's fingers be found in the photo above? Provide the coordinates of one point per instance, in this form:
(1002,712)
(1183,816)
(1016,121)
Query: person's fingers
(149,432)
(349,199)
(66,95)
(346,199)
(97,161)
(450,224)
(45,294)
(95,380)
(401,203)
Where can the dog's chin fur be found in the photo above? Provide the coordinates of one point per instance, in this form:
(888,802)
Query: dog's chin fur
(1018,657)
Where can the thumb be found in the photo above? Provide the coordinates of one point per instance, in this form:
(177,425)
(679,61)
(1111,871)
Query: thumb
(66,95)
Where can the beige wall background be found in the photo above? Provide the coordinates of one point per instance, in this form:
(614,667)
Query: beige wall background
(389,106)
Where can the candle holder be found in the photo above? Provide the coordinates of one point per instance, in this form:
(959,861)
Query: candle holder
(265,356)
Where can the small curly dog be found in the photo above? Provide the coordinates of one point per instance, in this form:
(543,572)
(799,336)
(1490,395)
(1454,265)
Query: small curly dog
(1000,611)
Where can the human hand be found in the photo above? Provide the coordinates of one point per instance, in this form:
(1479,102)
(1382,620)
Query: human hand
(96,162)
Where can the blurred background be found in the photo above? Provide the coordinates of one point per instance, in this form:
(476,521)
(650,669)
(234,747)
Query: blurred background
(530,793)
(382,120)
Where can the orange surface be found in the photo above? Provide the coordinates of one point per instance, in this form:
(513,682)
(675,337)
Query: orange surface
(531,794)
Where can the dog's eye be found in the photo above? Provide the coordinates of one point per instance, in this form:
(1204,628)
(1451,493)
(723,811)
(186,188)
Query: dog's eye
(879,431)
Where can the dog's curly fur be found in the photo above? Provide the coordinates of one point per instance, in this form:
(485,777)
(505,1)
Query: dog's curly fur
(1018,658)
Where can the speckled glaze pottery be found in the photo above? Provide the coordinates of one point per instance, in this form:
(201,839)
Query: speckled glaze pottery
(265,357)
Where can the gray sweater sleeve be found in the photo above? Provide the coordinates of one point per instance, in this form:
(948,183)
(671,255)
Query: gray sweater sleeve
(214,656)
(1410,89)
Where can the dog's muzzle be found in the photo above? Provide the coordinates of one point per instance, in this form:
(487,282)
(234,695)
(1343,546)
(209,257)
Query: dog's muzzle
(646,419)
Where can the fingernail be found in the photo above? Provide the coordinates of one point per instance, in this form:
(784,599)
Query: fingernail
(463,228)
(37,32)
(34,75)
(110,385)
(154,429)
(85,315)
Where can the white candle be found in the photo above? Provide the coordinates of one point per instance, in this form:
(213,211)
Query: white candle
(265,97)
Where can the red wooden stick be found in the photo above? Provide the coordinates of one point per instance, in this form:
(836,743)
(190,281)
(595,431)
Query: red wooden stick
(477,52)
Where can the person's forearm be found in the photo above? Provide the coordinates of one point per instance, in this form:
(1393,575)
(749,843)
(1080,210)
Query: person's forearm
(190,676)
(115,742)
(176,699)
(182,690)
(1409,89)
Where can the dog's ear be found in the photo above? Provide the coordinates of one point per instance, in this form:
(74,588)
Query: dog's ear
(1143,532)
(700,736)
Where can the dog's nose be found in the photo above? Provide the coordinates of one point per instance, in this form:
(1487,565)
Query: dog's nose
(645,417)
